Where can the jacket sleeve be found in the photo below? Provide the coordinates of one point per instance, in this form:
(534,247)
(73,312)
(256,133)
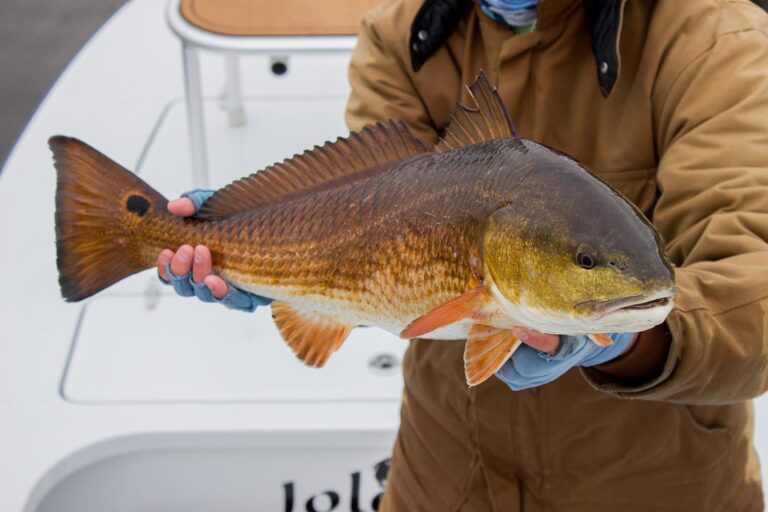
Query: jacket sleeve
(381,86)
(712,138)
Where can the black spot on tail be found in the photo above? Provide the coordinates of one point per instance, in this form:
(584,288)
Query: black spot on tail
(137,204)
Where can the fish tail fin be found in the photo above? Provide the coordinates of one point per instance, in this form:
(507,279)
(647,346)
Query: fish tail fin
(101,209)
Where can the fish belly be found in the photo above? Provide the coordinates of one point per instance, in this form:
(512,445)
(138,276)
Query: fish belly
(391,312)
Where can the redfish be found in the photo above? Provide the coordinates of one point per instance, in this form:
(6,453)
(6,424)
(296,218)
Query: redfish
(464,240)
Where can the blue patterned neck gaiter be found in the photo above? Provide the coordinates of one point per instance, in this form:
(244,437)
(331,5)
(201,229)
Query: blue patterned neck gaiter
(515,13)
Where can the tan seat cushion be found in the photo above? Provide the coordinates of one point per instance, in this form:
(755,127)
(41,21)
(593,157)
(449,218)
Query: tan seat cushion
(277,17)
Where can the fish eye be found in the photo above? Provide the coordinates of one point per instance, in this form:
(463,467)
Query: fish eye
(585,257)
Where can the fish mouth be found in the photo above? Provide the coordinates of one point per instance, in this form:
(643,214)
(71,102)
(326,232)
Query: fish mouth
(648,304)
(663,301)
(660,299)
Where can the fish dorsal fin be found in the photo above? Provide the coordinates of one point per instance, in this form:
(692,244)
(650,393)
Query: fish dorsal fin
(487,349)
(468,305)
(313,337)
(373,146)
(487,118)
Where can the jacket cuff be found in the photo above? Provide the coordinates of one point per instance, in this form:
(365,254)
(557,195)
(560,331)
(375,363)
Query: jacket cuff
(648,390)
(661,385)
(681,371)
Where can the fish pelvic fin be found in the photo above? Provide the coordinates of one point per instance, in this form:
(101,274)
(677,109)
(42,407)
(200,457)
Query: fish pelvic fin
(468,305)
(313,337)
(100,210)
(602,340)
(372,147)
(485,118)
(486,350)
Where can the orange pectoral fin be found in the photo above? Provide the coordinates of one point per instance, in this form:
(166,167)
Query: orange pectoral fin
(464,306)
(313,337)
(601,339)
(486,350)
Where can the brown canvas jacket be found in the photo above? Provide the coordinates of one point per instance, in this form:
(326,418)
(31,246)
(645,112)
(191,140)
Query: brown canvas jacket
(682,130)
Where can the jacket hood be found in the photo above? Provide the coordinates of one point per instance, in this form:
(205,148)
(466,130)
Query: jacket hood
(436,20)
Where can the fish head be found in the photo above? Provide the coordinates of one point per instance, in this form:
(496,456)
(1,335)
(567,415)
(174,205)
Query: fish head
(573,256)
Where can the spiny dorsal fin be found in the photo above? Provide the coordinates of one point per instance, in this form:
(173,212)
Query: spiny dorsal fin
(487,349)
(373,146)
(487,119)
(313,337)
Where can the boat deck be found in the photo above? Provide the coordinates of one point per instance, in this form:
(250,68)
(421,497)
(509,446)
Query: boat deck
(136,370)
(112,395)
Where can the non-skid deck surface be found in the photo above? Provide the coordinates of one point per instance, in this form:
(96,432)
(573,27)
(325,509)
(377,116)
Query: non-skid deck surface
(277,18)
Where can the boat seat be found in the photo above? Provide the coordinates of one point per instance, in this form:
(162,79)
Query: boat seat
(271,18)
(234,27)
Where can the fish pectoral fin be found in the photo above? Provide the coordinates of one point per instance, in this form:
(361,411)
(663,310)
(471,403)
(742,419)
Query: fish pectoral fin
(601,339)
(487,349)
(470,304)
(313,337)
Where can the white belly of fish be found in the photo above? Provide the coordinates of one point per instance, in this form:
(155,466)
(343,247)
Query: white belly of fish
(551,322)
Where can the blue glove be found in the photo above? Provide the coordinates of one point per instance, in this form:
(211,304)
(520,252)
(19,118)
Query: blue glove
(199,196)
(186,287)
(528,367)
(234,299)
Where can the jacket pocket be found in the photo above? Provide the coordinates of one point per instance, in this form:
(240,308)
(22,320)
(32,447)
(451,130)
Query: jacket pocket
(705,420)
(637,185)
(643,437)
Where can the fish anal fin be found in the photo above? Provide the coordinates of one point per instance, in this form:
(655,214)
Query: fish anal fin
(313,337)
(601,339)
(468,305)
(373,146)
(486,118)
(487,349)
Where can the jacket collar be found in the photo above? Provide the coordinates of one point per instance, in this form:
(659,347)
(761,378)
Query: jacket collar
(436,20)
(549,11)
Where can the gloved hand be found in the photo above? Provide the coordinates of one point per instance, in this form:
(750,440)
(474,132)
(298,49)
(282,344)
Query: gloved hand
(189,270)
(529,367)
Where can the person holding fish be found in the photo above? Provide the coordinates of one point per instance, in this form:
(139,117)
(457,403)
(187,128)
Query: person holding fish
(609,361)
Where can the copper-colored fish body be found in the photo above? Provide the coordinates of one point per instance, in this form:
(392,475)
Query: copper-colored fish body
(383,247)
(482,233)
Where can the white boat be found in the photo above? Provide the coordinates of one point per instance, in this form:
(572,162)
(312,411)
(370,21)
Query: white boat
(125,403)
